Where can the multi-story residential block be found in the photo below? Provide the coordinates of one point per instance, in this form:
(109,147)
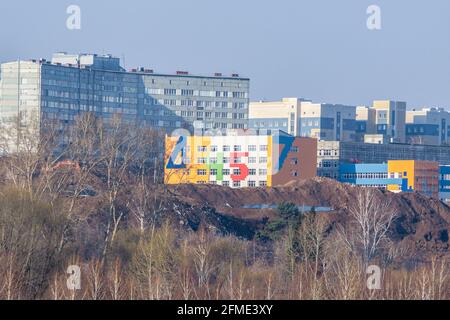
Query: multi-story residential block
(428,126)
(333,153)
(390,117)
(395,176)
(239,160)
(71,84)
(306,119)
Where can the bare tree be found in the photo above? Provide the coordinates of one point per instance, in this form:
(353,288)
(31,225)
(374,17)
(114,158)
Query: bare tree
(371,218)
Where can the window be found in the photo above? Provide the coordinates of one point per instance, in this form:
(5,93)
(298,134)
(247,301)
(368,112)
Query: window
(201,160)
(252,160)
(226,148)
(236,172)
(294,173)
(226,172)
(213,160)
(214,149)
(263,160)
(213,172)
(237,160)
(252,184)
(294,149)
(263,148)
(170,92)
(201,172)
(236,184)
(185,92)
(263,183)
(226,183)
(237,148)
(201,149)
(251,148)
(252,172)
(226,160)
(263,172)
(294,161)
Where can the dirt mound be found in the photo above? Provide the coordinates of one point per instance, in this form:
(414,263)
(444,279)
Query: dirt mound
(423,223)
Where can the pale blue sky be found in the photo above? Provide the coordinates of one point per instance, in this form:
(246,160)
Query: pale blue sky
(318,49)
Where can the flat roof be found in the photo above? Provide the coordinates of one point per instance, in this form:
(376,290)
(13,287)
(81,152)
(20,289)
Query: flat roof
(138,72)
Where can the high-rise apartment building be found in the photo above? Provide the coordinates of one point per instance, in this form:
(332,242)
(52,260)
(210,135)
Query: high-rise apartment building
(70,84)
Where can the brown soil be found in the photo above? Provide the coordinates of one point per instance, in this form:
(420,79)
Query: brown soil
(422,224)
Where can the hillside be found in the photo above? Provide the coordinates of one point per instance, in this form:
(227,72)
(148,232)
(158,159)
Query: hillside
(422,223)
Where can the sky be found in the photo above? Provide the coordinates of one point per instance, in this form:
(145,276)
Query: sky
(316,49)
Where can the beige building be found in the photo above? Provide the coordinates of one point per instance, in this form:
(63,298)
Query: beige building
(300,117)
(390,119)
(365,122)
(384,122)
(276,115)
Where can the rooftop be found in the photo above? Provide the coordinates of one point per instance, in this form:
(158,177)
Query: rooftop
(108,62)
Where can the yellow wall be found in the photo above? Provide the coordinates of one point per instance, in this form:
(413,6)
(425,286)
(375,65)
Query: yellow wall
(188,175)
(400,167)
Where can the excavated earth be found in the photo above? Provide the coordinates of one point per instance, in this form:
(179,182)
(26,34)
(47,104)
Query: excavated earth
(421,227)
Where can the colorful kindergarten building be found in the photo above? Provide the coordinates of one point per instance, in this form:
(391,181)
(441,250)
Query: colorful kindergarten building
(240,160)
(395,176)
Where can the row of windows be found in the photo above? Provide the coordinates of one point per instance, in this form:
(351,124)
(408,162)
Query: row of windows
(271,124)
(352,176)
(209,115)
(196,103)
(196,93)
(379,186)
(328,164)
(383,175)
(328,153)
(236,148)
(236,184)
(251,160)
(227,148)
(227,172)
